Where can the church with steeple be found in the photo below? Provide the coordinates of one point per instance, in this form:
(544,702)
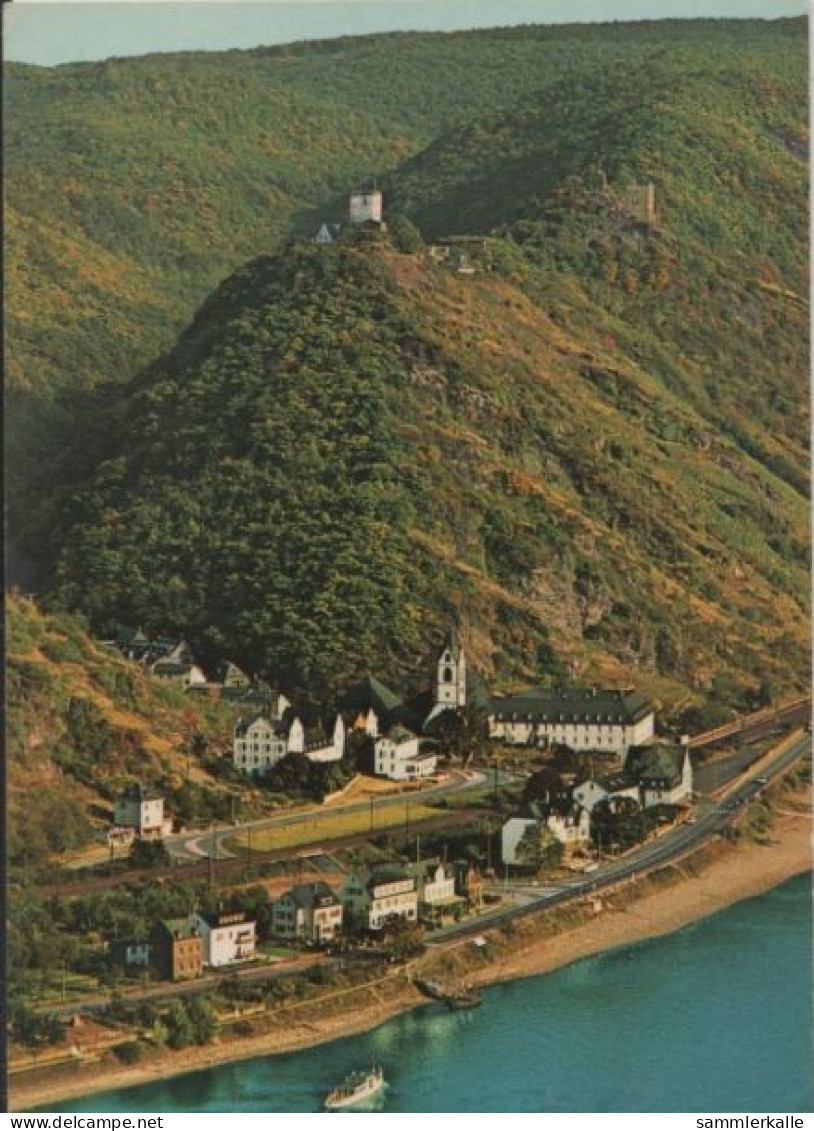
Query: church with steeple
(449,693)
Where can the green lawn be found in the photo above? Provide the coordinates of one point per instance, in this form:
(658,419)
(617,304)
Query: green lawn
(330,826)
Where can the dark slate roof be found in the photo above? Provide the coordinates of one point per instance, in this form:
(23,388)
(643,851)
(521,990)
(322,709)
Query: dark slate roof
(562,807)
(385,874)
(371,692)
(243,724)
(138,792)
(315,737)
(180,928)
(399,733)
(171,667)
(310,895)
(614,783)
(658,765)
(580,705)
(227,918)
(227,670)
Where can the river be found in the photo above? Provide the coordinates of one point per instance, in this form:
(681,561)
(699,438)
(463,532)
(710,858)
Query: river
(716,1017)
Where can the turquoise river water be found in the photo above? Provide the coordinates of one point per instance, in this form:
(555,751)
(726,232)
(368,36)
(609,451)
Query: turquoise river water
(716,1017)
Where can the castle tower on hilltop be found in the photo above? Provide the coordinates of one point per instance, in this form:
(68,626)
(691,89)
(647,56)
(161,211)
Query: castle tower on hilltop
(366,207)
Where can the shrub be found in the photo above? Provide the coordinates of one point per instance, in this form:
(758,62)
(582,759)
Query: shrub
(128,1053)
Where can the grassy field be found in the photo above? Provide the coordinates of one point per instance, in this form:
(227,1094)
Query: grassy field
(331,826)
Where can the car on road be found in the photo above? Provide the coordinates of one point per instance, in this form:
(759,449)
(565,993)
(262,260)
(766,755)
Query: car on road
(761,781)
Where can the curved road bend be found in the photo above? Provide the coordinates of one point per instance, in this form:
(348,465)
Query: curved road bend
(189,847)
(711,819)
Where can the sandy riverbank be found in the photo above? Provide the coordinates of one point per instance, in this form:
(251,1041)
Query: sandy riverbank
(713,879)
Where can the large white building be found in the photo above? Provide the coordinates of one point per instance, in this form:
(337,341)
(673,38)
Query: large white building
(228,937)
(590,719)
(261,741)
(397,756)
(373,897)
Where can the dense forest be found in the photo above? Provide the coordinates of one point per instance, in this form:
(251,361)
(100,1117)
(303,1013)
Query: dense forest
(592,451)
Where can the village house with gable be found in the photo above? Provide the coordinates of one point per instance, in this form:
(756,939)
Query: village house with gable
(613,787)
(261,742)
(570,825)
(310,912)
(139,812)
(176,950)
(227,936)
(664,774)
(435,885)
(373,897)
(652,775)
(397,756)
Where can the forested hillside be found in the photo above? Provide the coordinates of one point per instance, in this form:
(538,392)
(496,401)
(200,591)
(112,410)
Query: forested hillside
(593,451)
(81,724)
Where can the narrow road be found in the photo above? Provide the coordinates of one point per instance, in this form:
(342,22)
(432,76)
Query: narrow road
(190,847)
(710,818)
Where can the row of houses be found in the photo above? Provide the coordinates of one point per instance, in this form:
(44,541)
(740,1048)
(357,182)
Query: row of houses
(369,900)
(180,949)
(372,898)
(172,659)
(651,776)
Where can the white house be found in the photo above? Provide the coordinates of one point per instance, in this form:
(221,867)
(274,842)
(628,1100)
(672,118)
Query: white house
(664,774)
(435,884)
(606,787)
(570,828)
(141,811)
(396,756)
(260,742)
(591,719)
(188,675)
(309,911)
(228,937)
(372,897)
(317,747)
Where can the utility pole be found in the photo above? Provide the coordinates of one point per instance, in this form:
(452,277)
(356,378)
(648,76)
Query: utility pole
(495,768)
(407,819)
(371,813)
